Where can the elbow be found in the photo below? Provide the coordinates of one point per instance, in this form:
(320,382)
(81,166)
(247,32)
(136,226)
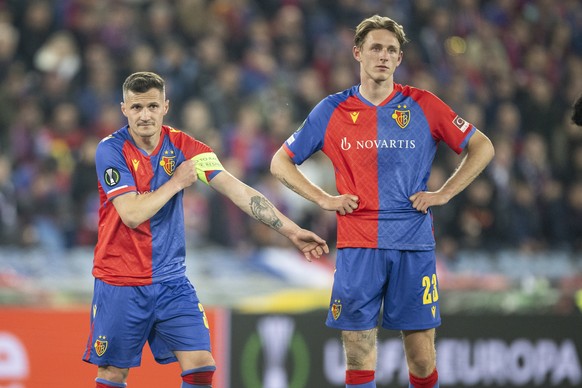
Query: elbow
(131,222)
(132,225)
(275,167)
(490,151)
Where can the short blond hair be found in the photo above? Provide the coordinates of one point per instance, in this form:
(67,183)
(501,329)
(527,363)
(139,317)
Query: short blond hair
(378,22)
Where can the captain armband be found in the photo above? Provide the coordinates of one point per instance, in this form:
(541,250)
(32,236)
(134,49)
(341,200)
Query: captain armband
(207,165)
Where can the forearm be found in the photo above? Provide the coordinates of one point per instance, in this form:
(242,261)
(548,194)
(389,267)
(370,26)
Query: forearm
(253,203)
(260,208)
(283,168)
(134,209)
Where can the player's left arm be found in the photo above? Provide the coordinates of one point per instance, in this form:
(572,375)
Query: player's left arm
(259,207)
(479,152)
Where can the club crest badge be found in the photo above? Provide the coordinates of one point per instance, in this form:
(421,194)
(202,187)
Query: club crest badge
(402,117)
(100,346)
(336,309)
(169,164)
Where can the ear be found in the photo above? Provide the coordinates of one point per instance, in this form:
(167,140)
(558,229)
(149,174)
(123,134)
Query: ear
(400,56)
(122,105)
(357,54)
(166,106)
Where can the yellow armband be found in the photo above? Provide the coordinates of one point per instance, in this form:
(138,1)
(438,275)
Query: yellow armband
(206,164)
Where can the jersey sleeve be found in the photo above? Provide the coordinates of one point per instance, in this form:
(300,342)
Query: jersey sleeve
(445,124)
(309,138)
(207,163)
(112,169)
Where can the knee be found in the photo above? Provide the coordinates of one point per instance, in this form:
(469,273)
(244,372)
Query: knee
(113,374)
(421,364)
(420,352)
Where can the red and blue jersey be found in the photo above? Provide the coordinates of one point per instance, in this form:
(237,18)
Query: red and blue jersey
(383,154)
(155,250)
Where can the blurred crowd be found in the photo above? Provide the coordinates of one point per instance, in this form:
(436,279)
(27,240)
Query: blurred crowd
(243,74)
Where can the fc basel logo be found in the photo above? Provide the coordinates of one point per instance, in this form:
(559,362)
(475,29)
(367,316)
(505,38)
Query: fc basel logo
(336,309)
(111,176)
(169,164)
(402,117)
(100,346)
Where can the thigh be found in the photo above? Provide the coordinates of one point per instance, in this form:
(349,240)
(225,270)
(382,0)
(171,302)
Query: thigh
(358,288)
(411,300)
(121,319)
(181,323)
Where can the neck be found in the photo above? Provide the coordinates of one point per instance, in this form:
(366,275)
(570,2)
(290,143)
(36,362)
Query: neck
(376,92)
(147,143)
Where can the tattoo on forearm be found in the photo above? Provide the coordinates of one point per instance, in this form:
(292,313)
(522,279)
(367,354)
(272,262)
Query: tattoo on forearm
(289,185)
(295,189)
(264,211)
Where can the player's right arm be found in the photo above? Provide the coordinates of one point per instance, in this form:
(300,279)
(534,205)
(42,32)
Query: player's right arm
(134,209)
(284,169)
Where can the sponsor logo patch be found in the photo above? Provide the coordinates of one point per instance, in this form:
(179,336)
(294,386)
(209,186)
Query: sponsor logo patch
(461,124)
(111,176)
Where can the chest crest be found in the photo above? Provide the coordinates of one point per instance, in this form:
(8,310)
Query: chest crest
(401,116)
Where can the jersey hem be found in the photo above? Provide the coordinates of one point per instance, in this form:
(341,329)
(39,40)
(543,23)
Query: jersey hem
(401,247)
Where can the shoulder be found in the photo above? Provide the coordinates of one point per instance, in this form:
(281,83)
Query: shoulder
(174,133)
(338,98)
(332,101)
(415,93)
(114,141)
(185,142)
(424,98)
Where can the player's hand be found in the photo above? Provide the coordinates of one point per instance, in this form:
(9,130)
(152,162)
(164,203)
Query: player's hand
(185,174)
(343,204)
(422,200)
(309,243)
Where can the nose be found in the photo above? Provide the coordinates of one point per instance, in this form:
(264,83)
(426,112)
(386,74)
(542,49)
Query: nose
(384,54)
(144,114)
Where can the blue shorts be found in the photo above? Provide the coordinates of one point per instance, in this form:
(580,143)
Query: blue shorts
(403,282)
(168,315)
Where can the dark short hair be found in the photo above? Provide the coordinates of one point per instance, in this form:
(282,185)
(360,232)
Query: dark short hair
(143,81)
(378,22)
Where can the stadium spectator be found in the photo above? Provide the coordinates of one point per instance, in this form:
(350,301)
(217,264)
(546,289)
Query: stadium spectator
(501,50)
